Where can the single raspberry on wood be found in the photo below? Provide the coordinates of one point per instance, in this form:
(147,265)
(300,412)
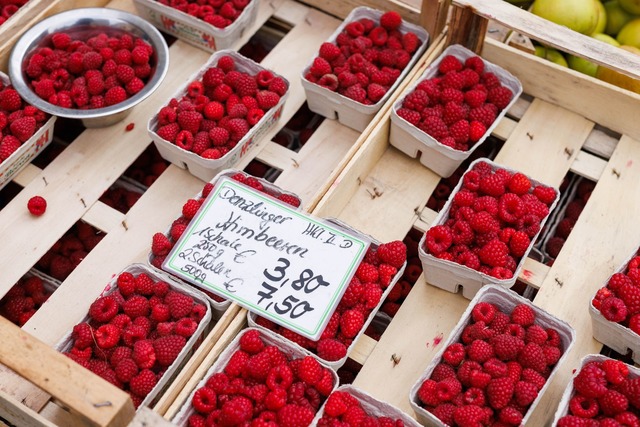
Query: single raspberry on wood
(37,205)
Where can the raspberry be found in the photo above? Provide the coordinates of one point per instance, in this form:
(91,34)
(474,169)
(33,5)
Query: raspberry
(631,389)
(613,309)
(519,243)
(630,295)
(143,383)
(499,392)
(10,100)
(375,92)
(462,233)
(479,351)
(500,96)
(546,195)
(8,146)
(278,86)
(583,407)
(23,128)
(470,415)
(294,416)
(591,381)
(447,389)
(267,99)
(438,239)
(310,371)
(615,371)
(356,92)
(525,393)
(573,421)
(483,311)
(613,403)
(160,245)
(390,20)
(204,400)
(115,95)
(507,347)
(460,131)
(104,309)
(136,306)
(179,304)
(320,67)
(475,98)
(37,205)
(126,369)
(449,63)
(289,199)
(392,253)
(331,350)
(523,315)
(492,185)
(351,322)
(564,227)
(454,354)
(435,127)
(167,348)
(494,253)
(126,284)
(107,336)
(483,222)
(251,342)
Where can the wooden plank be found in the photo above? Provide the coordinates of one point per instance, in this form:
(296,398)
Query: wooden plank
(194,362)
(533,272)
(19,414)
(99,402)
(588,165)
(103,217)
(277,156)
(362,349)
(554,35)
(238,322)
(596,100)
(534,143)
(26,175)
(433,16)
(601,142)
(471,29)
(591,241)
(504,129)
(145,417)
(58,416)
(412,339)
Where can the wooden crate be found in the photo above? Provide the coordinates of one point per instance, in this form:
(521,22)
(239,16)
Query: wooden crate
(72,185)
(557,127)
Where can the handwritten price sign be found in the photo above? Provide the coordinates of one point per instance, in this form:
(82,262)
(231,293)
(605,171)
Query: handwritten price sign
(277,262)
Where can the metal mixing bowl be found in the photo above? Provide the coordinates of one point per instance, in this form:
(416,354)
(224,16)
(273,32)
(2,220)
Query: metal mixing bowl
(88,22)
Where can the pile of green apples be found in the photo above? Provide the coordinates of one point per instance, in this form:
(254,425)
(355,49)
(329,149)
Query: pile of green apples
(616,22)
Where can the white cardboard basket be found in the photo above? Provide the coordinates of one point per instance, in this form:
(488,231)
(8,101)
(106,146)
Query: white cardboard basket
(412,141)
(20,158)
(66,342)
(193,30)
(615,336)
(563,406)
(505,300)
(371,406)
(269,338)
(350,113)
(206,169)
(219,307)
(251,317)
(451,276)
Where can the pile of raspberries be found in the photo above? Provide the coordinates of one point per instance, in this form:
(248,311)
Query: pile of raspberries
(375,273)
(344,409)
(18,121)
(619,300)
(458,105)
(135,333)
(365,59)
(496,370)
(605,394)
(23,300)
(69,251)
(218,110)
(162,244)
(87,74)
(492,220)
(261,385)
(219,13)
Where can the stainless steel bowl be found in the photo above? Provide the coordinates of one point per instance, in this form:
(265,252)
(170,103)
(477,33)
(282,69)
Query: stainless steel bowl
(88,21)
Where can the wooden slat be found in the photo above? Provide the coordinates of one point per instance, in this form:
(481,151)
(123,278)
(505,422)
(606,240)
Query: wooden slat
(362,349)
(588,165)
(534,142)
(19,414)
(145,417)
(554,35)
(103,217)
(470,28)
(433,16)
(601,243)
(593,99)
(97,401)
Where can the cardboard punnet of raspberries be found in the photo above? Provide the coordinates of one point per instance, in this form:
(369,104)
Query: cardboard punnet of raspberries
(456,102)
(138,331)
(27,296)
(494,365)
(219,14)
(615,309)
(486,229)
(602,389)
(375,277)
(90,71)
(366,56)
(214,118)
(348,402)
(259,376)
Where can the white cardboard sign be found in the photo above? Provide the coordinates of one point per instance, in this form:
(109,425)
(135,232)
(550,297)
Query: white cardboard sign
(277,262)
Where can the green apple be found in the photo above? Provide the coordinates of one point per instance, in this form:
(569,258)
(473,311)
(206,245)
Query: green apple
(579,15)
(602,17)
(606,38)
(551,54)
(631,6)
(616,17)
(619,79)
(630,34)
